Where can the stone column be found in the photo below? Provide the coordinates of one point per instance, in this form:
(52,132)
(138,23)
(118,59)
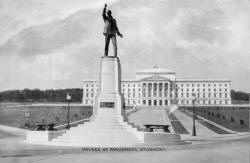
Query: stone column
(152,90)
(169,92)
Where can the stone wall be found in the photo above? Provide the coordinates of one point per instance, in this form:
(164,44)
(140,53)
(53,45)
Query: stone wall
(233,117)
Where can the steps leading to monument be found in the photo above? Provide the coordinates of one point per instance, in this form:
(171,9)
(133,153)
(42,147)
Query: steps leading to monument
(108,129)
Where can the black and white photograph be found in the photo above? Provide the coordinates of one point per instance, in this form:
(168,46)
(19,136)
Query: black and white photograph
(125,81)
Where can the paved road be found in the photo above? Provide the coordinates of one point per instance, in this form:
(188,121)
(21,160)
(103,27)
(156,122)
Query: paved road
(227,150)
(187,122)
(231,151)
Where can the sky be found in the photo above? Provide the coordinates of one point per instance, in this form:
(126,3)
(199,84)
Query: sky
(53,44)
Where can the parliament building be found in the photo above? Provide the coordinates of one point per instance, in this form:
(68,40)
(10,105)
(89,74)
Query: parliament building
(159,87)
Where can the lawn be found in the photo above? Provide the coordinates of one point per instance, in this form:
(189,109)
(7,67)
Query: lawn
(15,116)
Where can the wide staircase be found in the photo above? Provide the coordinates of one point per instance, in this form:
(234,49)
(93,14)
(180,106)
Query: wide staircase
(150,115)
(107,130)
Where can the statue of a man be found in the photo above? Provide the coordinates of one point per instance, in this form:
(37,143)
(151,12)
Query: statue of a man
(110,31)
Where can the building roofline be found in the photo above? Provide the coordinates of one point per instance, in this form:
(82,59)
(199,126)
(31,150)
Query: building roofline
(203,80)
(153,73)
(90,80)
(177,80)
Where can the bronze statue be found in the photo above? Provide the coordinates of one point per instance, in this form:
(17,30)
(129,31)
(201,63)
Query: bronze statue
(110,30)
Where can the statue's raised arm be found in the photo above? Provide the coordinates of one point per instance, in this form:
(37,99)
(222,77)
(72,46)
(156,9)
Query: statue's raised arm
(104,12)
(110,30)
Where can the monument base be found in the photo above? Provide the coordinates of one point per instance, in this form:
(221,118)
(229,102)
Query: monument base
(107,126)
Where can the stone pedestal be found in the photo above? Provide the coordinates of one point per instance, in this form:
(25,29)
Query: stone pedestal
(109,95)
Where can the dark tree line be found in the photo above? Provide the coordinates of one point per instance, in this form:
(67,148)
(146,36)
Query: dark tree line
(238,95)
(37,95)
(59,95)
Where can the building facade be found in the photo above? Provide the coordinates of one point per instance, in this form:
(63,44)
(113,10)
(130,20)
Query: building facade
(159,87)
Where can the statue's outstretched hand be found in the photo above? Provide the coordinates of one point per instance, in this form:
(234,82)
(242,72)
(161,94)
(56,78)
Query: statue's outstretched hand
(105,5)
(119,34)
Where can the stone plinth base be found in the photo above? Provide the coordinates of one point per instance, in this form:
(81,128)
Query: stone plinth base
(42,136)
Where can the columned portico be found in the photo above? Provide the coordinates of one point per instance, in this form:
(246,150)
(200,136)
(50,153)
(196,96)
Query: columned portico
(156,91)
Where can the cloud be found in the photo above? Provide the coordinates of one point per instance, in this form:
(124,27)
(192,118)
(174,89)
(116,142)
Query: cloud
(199,39)
(20,14)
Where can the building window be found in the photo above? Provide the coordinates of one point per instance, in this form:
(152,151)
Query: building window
(166,102)
(155,102)
(242,122)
